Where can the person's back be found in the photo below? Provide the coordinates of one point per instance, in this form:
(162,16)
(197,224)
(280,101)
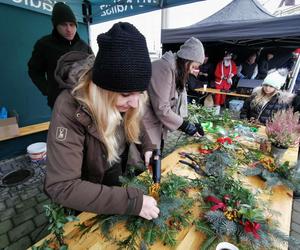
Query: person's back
(263,65)
(50,48)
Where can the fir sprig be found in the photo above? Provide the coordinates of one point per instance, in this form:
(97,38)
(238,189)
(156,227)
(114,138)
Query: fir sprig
(200,114)
(233,213)
(174,205)
(275,173)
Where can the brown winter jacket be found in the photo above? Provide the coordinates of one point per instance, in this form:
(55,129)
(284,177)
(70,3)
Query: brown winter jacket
(77,159)
(160,114)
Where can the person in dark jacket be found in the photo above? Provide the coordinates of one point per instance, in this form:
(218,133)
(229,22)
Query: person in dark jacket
(194,83)
(268,99)
(206,73)
(249,68)
(50,48)
(263,65)
(95,125)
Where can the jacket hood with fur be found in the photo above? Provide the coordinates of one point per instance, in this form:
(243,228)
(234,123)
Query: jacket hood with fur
(71,66)
(283,96)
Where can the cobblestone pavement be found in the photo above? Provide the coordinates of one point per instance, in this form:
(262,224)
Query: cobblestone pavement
(22,219)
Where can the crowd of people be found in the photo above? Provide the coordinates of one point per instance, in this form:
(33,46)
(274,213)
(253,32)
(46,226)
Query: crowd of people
(116,108)
(225,75)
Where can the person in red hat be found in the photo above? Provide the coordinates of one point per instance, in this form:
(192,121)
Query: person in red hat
(224,72)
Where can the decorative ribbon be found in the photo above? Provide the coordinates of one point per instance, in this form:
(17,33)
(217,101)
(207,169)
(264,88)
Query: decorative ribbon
(219,204)
(253,129)
(250,227)
(223,140)
(208,127)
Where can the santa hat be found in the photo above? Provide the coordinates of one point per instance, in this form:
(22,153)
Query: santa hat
(276,78)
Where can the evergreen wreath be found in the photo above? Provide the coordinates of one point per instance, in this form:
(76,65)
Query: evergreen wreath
(175,214)
(231,213)
(275,173)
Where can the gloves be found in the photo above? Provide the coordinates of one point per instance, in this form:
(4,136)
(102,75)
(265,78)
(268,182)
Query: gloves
(191,129)
(199,129)
(188,128)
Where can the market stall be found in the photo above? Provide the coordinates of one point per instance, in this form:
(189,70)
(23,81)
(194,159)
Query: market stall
(186,230)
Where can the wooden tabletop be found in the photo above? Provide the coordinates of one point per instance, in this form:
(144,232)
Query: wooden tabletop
(28,130)
(217,91)
(280,201)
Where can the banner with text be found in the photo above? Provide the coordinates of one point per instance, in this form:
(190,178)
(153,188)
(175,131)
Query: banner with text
(100,10)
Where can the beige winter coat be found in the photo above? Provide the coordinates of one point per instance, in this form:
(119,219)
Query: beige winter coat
(161,115)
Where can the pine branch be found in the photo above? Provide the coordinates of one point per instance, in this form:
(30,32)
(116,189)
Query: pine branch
(167,236)
(217,162)
(204,227)
(209,242)
(249,171)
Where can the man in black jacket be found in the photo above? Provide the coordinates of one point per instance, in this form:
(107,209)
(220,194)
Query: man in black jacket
(50,48)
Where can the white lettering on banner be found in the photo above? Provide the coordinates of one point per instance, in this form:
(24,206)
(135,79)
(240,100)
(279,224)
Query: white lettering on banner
(107,10)
(38,4)
(114,9)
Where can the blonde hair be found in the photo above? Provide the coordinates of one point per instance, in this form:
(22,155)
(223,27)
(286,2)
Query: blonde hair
(101,104)
(261,98)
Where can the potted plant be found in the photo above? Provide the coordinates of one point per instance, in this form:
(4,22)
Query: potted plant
(283,131)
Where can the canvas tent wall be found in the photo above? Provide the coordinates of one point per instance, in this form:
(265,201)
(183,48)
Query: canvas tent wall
(242,22)
(244,27)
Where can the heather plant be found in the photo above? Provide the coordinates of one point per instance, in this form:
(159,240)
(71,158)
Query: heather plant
(283,130)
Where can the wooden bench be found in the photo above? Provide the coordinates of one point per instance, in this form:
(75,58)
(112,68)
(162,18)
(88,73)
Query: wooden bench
(28,130)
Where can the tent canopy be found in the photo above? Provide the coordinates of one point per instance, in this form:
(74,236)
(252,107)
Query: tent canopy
(238,10)
(230,26)
(97,11)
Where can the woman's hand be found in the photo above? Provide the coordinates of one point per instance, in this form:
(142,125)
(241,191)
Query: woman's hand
(147,155)
(149,209)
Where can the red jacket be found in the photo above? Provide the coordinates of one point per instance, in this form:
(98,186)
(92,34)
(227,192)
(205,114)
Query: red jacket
(222,73)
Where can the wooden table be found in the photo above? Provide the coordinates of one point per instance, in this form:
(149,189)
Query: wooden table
(217,91)
(189,238)
(28,130)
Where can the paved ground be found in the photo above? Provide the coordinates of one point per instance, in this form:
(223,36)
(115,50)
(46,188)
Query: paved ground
(22,219)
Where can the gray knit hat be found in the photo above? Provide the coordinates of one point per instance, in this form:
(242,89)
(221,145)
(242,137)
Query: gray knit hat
(192,50)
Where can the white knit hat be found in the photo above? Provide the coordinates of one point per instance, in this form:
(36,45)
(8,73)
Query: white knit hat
(192,50)
(276,78)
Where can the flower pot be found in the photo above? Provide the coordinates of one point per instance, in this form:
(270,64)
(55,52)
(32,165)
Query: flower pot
(277,152)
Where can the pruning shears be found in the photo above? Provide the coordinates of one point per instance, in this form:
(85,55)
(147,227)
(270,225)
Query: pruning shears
(194,165)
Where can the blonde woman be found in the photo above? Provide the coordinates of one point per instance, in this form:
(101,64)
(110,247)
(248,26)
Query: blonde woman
(267,99)
(95,121)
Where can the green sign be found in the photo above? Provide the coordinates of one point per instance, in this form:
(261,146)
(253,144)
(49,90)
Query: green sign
(100,10)
(46,6)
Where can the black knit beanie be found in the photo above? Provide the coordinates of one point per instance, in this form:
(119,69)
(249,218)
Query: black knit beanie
(62,13)
(122,63)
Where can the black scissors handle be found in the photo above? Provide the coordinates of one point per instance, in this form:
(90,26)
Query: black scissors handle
(196,167)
